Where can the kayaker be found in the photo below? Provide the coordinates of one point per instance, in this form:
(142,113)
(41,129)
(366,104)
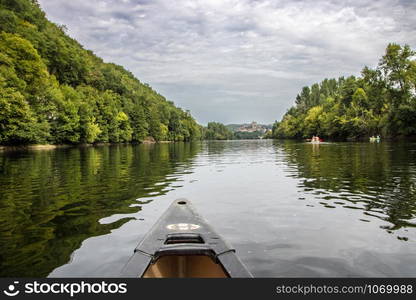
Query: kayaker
(316,139)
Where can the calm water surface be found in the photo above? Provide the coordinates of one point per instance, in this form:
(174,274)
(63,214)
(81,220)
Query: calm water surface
(290,209)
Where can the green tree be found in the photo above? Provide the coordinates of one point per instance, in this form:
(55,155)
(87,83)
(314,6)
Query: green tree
(17,122)
(217,131)
(92,131)
(66,124)
(124,129)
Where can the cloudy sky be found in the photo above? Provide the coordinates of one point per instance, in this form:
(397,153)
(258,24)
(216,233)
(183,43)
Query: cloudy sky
(236,61)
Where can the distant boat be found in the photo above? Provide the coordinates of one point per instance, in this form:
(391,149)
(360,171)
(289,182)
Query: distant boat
(374,139)
(315,140)
(182,244)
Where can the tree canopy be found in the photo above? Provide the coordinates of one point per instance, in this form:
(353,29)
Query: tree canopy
(217,131)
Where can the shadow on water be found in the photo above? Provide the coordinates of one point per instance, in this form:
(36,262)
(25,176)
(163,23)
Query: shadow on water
(51,201)
(378,179)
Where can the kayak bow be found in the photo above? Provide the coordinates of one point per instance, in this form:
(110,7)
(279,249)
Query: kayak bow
(182,244)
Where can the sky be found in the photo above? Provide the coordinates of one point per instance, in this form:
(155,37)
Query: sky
(236,61)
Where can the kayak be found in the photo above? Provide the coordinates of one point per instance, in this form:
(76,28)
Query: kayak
(183,245)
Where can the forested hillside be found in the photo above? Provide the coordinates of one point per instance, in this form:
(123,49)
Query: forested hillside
(381,101)
(54,91)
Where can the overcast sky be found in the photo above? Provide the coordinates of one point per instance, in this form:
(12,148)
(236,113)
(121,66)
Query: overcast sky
(236,61)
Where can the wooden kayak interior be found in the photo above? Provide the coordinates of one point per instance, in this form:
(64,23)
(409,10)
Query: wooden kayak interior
(185,266)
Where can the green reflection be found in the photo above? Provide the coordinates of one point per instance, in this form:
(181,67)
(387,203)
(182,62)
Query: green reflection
(50,201)
(379,179)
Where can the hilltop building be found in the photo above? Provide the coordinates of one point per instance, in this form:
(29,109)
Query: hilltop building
(252,127)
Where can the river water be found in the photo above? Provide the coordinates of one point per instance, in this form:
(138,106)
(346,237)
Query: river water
(289,208)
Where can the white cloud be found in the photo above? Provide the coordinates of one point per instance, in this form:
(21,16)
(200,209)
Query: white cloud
(249,57)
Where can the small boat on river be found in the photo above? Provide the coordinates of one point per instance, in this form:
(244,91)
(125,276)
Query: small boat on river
(315,140)
(183,245)
(375,139)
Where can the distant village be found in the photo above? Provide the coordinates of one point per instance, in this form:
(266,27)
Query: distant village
(252,130)
(252,127)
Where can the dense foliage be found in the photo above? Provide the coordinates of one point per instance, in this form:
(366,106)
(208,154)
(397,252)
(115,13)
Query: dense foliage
(380,102)
(52,90)
(217,131)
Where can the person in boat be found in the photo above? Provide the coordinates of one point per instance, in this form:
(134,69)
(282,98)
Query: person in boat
(316,139)
(375,138)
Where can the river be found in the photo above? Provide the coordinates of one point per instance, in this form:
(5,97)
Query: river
(290,209)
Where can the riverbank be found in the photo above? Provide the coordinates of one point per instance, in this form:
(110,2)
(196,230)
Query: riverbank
(32,147)
(52,146)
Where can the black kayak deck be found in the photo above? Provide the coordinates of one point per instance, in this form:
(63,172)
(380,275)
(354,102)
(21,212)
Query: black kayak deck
(181,239)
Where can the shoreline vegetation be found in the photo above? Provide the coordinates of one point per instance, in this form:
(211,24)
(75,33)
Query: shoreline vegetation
(382,101)
(34,147)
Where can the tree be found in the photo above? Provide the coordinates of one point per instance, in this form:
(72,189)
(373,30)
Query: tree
(92,131)
(124,129)
(313,121)
(217,131)
(17,122)
(66,125)
(399,70)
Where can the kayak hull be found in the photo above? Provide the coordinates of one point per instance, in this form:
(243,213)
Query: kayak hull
(183,244)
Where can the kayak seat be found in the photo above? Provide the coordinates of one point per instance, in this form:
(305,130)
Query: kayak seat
(185,255)
(185,266)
